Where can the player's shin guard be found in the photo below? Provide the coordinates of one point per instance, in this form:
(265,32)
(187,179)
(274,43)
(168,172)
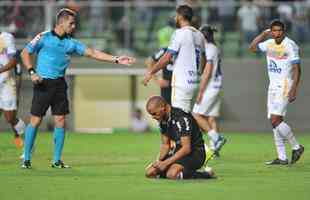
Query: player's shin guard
(20,127)
(59,138)
(280,145)
(30,136)
(287,133)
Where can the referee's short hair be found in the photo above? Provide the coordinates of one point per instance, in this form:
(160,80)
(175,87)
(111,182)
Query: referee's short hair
(64,13)
(186,12)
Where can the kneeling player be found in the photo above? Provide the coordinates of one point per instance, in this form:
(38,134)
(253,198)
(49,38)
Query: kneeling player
(189,153)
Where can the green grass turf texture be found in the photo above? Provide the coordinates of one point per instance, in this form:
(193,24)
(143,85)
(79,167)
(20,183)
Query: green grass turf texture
(111,166)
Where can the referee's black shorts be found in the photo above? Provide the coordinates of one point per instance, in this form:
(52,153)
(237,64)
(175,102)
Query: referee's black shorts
(51,92)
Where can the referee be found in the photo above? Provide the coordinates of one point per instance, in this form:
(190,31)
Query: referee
(53,50)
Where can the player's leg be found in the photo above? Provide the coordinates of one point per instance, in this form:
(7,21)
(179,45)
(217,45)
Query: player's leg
(202,122)
(17,126)
(30,136)
(60,108)
(59,139)
(218,139)
(187,167)
(8,104)
(40,103)
(176,171)
(286,132)
(279,143)
(277,107)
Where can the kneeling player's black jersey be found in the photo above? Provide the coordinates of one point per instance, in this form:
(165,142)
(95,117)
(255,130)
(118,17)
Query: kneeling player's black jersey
(182,124)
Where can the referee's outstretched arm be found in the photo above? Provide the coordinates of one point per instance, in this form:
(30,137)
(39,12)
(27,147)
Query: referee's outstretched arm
(101,56)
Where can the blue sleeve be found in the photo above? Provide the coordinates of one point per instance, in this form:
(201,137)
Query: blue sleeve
(35,44)
(79,47)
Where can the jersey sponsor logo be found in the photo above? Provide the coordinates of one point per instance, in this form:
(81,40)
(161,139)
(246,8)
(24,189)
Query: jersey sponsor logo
(193,81)
(272,67)
(36,39)
(277,52)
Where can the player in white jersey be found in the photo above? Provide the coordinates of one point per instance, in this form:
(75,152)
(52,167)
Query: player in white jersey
(283,65)
(8,97)
(187,45)
(208,102)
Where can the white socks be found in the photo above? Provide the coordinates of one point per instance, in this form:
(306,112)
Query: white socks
(214,136)
(286,132)
(280,145)
(20,127)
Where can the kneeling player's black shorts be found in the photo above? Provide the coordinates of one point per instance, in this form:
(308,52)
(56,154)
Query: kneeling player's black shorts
(194,160)
(51,92)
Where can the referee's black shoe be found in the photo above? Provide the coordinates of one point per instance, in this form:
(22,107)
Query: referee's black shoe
(296,154)
(60,164)
(26,164)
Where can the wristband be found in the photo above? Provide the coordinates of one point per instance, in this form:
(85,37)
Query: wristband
(31,71)
(115,59)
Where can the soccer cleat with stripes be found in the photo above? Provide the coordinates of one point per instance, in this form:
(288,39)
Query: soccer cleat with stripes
(277,161)
(296,154)
(26,164)
(60,164)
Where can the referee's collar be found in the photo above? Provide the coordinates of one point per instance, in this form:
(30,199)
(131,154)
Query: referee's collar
(60,37)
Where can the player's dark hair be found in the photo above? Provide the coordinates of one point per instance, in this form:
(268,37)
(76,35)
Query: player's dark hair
(277,22)
(196,21)
(208,32)
(64,13)
(186,12)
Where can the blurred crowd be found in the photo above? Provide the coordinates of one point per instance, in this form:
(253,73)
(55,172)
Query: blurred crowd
(246,17)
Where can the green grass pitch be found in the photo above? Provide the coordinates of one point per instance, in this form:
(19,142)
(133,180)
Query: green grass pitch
(111,167)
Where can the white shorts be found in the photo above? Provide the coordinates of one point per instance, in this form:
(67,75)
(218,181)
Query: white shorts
(277,102)
(210,104)
(183,98)
(8,98)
